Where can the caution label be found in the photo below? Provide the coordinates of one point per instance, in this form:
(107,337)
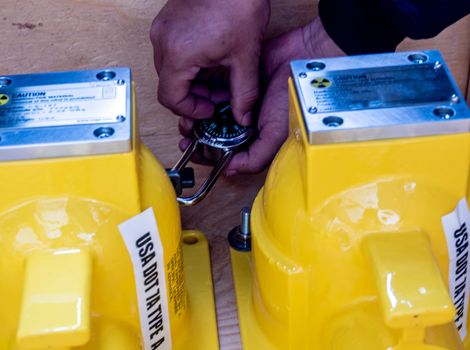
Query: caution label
(63,104)
(143,243)
(456,227)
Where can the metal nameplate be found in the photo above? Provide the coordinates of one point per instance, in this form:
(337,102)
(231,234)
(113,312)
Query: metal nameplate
(63,104)
(65,114)
(359,98)
(381,88)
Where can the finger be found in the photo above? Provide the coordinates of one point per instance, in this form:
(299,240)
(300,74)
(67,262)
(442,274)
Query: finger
(184,143)
(154,38)
(218,96)
(261,152)
(273,130)
(207,91)
(174,93)
(185,126)
(218,76)
(200,90)
(157,59)
(244,87)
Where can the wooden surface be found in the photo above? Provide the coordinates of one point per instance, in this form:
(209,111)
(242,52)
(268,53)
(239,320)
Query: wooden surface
(56,35)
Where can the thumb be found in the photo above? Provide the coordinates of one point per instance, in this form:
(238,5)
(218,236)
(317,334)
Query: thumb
(244,89)
(273,128)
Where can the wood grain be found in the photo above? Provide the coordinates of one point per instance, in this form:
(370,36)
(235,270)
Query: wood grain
(57,35)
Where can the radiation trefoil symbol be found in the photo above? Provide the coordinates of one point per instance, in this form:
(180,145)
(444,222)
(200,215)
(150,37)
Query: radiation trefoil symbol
(320,83)
(4,99)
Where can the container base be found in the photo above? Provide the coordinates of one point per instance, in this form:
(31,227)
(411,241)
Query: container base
(202,332)
(252,336)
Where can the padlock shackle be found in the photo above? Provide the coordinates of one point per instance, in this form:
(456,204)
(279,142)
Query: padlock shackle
(209,182)
(181,163)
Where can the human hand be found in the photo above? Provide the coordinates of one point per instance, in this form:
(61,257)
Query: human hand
(311,41)
(194,37)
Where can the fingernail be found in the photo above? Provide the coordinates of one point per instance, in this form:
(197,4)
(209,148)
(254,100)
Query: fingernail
(246,119)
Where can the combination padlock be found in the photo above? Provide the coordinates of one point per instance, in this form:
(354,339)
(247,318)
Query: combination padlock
(216,140)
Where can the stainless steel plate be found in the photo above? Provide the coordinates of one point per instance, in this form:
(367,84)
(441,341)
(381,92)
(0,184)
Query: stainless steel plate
(65,114)
(370,97)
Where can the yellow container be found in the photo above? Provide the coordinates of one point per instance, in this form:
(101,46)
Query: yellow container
(348,247)
(66,278)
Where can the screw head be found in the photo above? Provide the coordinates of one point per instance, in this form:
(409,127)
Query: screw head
(313,110)
(437,65)
(417,58)
(302,75)
(106,75)
(103,132)
(120,118)
(444,112)
(454,99)
(333,121)
(315,66)
(4,82)
(120,82)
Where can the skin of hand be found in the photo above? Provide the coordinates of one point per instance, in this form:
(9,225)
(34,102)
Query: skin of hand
(307,42)
(192,40)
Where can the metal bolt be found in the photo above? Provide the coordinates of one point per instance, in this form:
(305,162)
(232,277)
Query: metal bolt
(454,99)
(120,82)
(120,118)
(437,65)
(303,75)
(240,237)
(245,221)
(313,110)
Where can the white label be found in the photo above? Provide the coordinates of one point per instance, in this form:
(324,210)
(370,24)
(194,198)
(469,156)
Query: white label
(456,226)
(145,249)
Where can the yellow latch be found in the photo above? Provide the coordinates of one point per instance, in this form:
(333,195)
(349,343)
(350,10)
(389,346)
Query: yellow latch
(410,287)
(55,312)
